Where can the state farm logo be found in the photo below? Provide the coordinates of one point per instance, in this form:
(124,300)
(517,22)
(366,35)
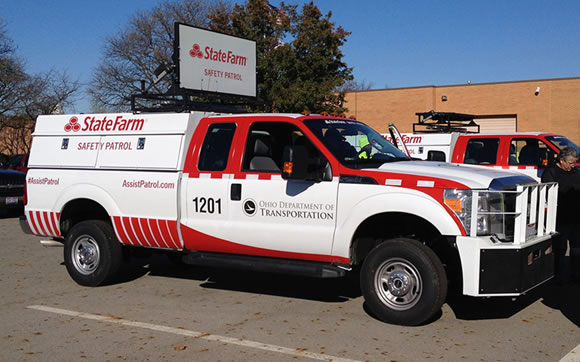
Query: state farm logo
(217,55)
(195,52)
(111,124)
(72,125)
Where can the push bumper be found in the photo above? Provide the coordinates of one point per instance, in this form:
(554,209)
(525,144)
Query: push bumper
(498,269)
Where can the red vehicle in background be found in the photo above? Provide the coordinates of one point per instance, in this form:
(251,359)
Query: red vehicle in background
(455,138)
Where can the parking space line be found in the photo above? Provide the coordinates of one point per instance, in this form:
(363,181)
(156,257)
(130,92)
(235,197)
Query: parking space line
(572,356)
(188,333)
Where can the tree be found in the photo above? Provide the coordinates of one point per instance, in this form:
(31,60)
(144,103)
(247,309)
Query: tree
(299,63)
(13,79)
(352,86)
(135,53)
(23,97)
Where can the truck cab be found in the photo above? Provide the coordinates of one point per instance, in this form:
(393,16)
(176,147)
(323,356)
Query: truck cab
(455,137)
(527,152)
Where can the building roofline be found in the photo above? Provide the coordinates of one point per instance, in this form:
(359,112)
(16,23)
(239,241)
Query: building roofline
(465,85)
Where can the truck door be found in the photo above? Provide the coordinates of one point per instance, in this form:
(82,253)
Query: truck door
(285,218)
(204,190)
(262,214)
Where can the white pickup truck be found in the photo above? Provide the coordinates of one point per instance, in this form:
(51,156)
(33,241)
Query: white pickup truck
(285,193)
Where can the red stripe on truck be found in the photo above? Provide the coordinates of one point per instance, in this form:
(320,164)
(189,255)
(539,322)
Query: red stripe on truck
(171,231)
(32,224)
(196,240)
(144,224)
(157,233)
(54,217)
(39,224)
(129,230)
(165,233)
(156,226)
(137,230)
(46,222)
(119,230)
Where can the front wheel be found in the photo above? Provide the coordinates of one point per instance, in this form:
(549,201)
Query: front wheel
(403,282)
(92,254)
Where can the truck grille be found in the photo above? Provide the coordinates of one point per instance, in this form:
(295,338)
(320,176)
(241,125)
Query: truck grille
(12,183)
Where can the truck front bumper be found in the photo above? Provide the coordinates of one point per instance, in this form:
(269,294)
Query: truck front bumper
(11,202)
(504,269)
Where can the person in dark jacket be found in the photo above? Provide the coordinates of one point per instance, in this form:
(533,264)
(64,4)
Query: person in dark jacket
(567,175)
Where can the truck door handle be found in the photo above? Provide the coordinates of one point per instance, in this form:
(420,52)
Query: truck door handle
(236,192)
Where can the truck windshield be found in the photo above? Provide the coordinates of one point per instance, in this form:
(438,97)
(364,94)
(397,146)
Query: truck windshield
(353,143)
(563,142)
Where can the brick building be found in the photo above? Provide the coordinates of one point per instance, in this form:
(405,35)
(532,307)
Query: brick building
(549,105)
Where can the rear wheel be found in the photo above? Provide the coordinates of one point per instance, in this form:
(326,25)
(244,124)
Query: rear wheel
(403,282)
(92,253)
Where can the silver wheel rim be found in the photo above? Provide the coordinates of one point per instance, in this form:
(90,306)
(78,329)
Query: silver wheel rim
(85,254)
(398,284)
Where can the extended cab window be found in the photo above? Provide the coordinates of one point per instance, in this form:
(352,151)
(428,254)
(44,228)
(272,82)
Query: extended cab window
(529,152)
(216,147)
(265,145)
(481,151)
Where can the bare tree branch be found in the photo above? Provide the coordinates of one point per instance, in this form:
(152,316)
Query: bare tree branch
(134,54)
(23,97)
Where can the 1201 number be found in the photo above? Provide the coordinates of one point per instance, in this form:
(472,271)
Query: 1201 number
(207,205)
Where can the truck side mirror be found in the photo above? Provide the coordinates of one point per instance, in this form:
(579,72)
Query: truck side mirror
(436,156)
(299,164)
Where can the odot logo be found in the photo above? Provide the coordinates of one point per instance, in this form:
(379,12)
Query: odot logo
(249,207)
(72,125)
(195,52)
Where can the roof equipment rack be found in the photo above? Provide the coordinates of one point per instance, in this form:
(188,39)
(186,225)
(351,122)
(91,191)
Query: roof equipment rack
(445,122)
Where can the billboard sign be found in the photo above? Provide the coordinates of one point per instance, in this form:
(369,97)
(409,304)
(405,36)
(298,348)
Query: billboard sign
(215,62)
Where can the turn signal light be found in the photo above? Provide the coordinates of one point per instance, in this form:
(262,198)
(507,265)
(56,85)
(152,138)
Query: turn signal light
(454,205)
(288,166)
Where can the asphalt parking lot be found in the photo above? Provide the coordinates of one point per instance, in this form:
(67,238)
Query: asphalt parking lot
(159,311)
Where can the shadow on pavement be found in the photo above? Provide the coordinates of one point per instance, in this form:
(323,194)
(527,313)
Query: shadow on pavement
(11,213)
(559,297)
(326,290)
(563,297)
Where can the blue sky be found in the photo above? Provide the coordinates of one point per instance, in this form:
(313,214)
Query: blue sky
(393,44)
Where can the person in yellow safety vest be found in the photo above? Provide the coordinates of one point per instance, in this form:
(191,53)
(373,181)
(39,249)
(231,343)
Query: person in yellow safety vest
(365,148)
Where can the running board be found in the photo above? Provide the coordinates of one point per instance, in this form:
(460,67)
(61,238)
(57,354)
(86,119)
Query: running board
(263,264)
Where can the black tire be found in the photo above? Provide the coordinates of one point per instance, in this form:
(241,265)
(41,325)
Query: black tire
(403,282)
(92,254)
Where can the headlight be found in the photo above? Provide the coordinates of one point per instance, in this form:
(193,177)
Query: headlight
(494,214)
(488,205)
(460,201)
